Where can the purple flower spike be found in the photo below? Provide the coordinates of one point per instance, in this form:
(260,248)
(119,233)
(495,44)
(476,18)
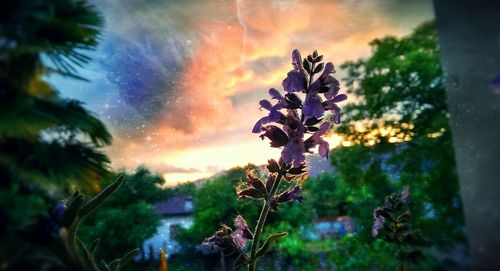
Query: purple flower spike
(303,115)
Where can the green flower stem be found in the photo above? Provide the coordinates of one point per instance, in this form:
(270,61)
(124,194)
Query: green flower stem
(262,220)
(402,265)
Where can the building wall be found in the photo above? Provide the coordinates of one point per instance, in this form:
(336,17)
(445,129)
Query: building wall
(163,237)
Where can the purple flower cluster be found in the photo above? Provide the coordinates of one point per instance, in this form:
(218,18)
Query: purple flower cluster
(289,195)
(395,201)
(56,214)
(226,238)
(296,125)
(405,195)
(378,221)
(290,118)
(242,233)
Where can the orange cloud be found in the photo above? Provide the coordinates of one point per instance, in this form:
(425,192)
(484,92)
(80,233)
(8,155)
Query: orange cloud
(245,49)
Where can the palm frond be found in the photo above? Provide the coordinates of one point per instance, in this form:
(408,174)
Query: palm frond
(52,162)
(60,29)
(27,116)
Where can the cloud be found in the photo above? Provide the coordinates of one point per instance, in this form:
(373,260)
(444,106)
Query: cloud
(144,70)
(166,168)
(191,72)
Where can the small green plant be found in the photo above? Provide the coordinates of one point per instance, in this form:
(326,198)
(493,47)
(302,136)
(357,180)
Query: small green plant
(391,222)
(57,233)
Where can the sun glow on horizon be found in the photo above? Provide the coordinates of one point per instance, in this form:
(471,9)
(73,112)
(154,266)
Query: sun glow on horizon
(209,161)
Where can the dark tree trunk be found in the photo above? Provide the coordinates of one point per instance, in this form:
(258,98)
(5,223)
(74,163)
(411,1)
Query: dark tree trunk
(469,39)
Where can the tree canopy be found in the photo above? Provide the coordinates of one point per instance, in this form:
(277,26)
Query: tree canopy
(398,125)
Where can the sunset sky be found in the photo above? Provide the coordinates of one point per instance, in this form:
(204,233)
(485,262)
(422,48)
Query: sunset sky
(178,82)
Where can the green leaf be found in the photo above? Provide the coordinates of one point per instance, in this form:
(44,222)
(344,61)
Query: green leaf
(405,217)
(89,257)
(114,264)
(125,259)
(71,213)
(106,266)
(92,204)
(94,246)
(269,242)
(240,261)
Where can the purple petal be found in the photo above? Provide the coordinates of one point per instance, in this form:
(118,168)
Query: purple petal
(59,210)
(329,68)
(336,119)
(296,60)
(240,222)
(378,221)
(275,94)
(295,81)
(330,105)
(334,87)
(313,106)
(293,154)
(323,148)
(257,128)
(238,238)
(266,104)
(275,115)
(323,128)
(340,98)
(405,195)
(295,194)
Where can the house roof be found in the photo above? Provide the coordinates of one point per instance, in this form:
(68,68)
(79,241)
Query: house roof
(178,205)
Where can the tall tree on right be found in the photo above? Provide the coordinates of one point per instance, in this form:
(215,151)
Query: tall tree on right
(470,54)
(398,129)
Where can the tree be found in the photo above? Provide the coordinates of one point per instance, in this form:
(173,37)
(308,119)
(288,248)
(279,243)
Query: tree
(468,39)
(215,204)
(35,122)
(398,125)
(128,218)
(49,145)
